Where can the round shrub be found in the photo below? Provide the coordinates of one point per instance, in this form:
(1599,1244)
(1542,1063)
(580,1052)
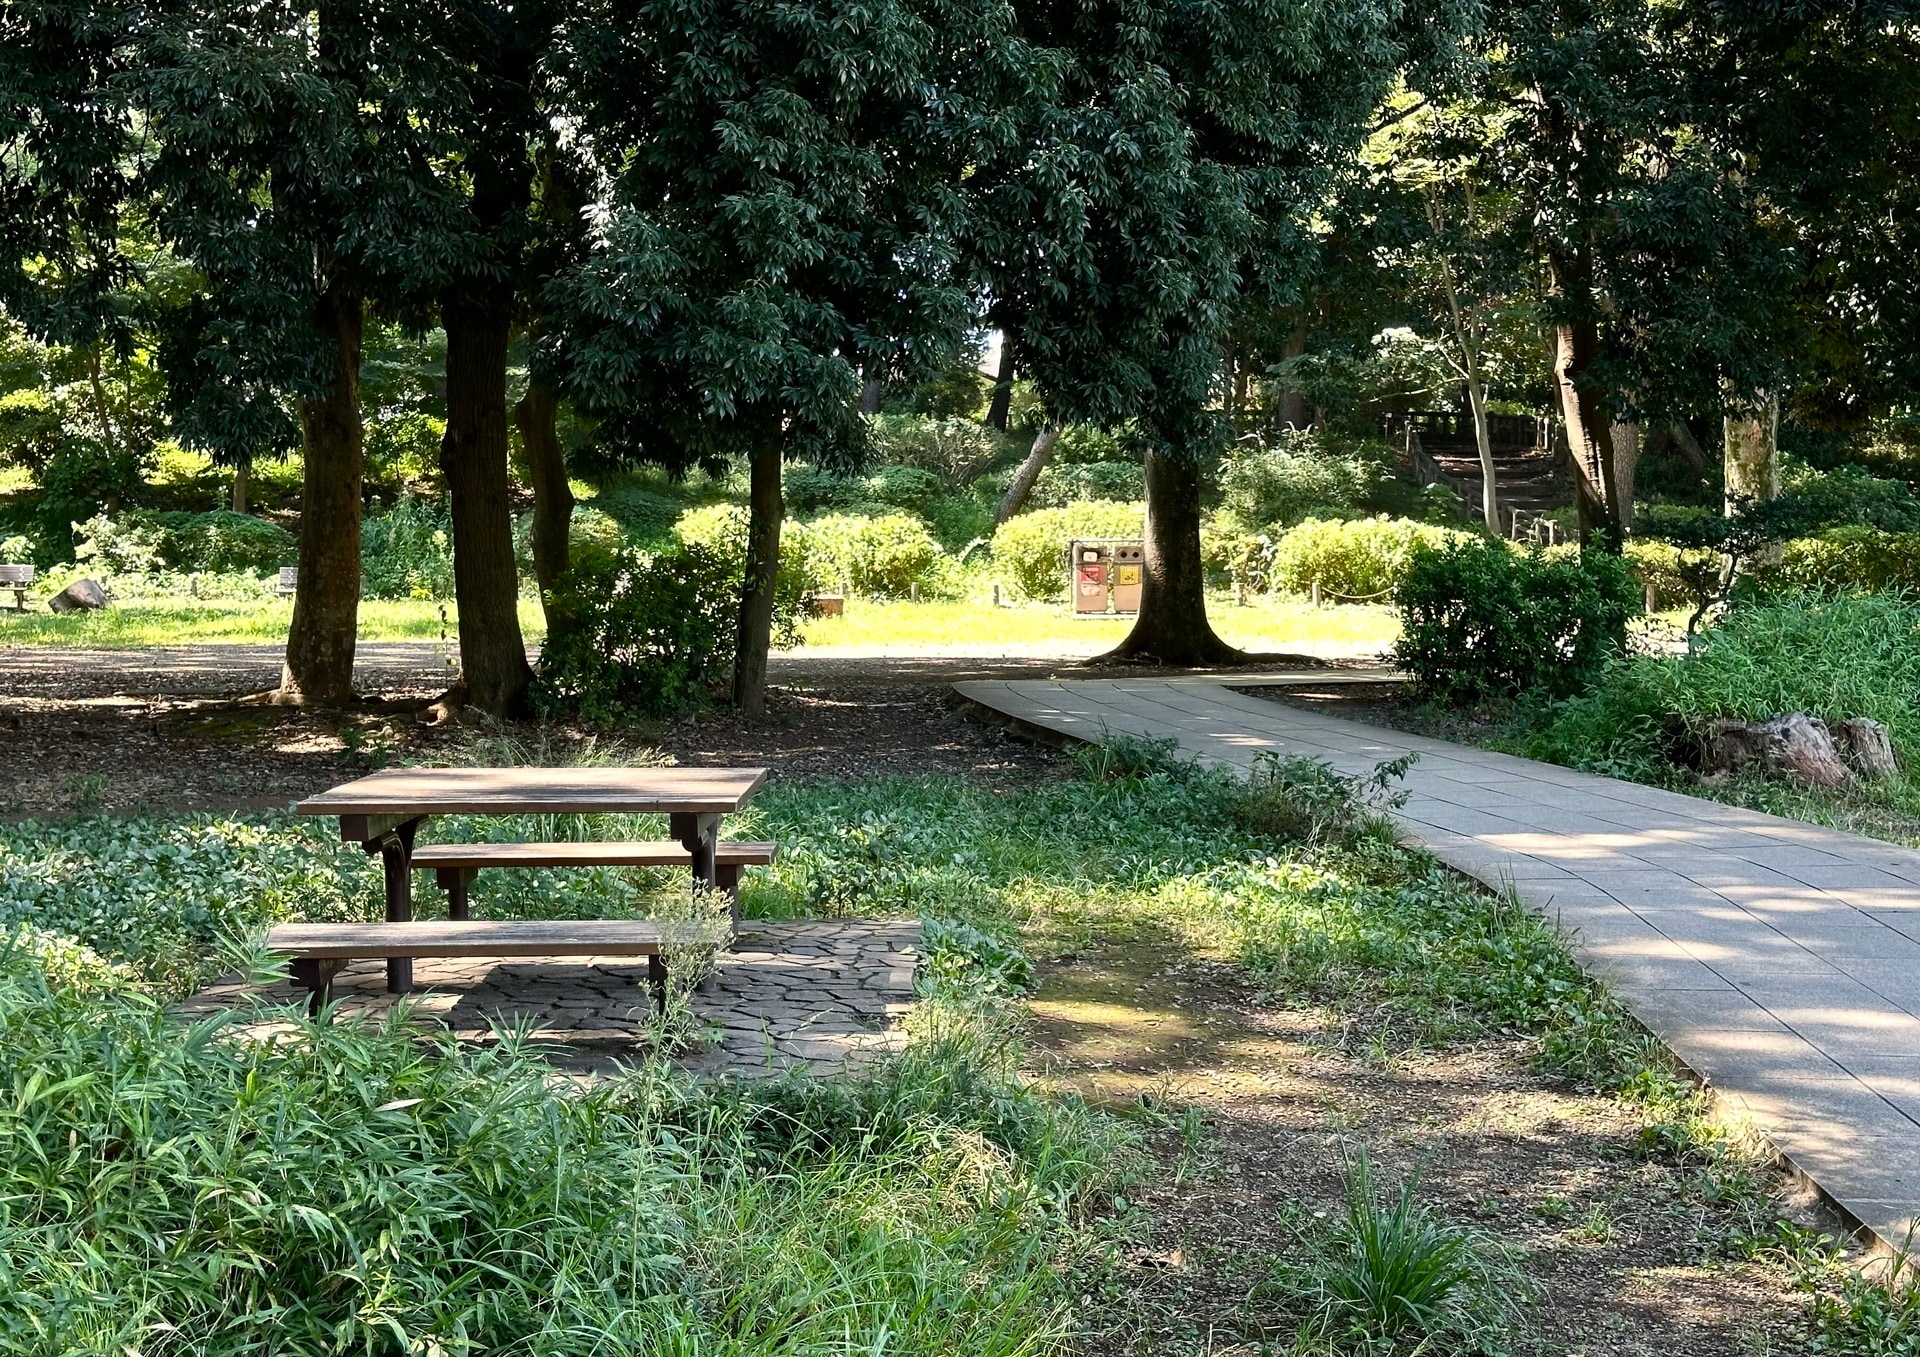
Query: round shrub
(903,487)
(810,490)
(1063,484)
(1657,566)
(884,557)
(1276,486)
(955,450)
(721,531)
(1479,620)
(1030,550)
(221,542)
(1359,558)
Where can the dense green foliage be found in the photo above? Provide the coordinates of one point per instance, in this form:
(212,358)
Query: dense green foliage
(1479,620)
(1832,657)
(1365,558)
(882,557)
(221,542)
(1030,551)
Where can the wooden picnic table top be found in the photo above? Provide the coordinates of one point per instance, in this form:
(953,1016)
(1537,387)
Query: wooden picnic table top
(410,792)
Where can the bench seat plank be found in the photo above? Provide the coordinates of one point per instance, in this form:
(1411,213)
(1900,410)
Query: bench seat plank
(469,937)
(664,853)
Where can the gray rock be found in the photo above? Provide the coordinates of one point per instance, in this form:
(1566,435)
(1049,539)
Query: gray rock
(80,596)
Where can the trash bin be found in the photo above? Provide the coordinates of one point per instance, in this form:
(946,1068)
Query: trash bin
(1090,562)
(1129,574)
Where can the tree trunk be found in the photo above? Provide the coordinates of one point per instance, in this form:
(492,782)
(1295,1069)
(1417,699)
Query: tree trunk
(493,656)
(1753,455)
(547,471)
(1690,448)
(1292,406)
(326,598)
(1002,399)
(870,396)
(1489,476)
(1172,627)
(242,471)
(1589,435)
(765,509)
(1625,437)
(1024,475)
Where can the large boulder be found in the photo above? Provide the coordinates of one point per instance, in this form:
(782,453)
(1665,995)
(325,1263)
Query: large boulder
(80,596)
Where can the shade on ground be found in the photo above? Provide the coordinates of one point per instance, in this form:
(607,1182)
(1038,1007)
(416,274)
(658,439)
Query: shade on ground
(1779,960)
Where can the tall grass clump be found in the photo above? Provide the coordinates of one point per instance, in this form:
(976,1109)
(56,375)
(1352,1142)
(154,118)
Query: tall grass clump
(235,1186)
(1830,656)
(1389,1272)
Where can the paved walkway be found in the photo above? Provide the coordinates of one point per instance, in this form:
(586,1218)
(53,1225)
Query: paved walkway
(819,996)
(1779,960)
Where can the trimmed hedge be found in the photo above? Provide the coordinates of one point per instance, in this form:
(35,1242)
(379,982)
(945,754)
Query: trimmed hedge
(1030,550)
(883,557)
(1359,557)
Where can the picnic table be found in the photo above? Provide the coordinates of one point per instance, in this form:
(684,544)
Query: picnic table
(384,811)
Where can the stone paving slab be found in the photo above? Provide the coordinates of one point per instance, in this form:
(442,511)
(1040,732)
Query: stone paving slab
(1779,960)
(815,996)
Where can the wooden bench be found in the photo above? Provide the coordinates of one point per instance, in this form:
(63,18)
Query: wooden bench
(454,864)
(321,951)
(17,578)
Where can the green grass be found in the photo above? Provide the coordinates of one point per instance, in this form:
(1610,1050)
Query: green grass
(170,622)
(1267,623)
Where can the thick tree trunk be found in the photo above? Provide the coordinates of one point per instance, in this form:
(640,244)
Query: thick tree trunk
(1002,399)
(870,396)
(1689,446)
(547,471)
(1172,627)
(326,599)
(1291,409)
(1626,461)
(1024,475)
(242,473)
(493,656)
(1753,455)
(1589,435)
(765,510)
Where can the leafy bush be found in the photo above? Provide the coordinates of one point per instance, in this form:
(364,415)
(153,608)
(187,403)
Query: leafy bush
(720,530)
(221,542)
(1307,799)
(403,448)
(1479,620)
(1851,560)
(1064,483)
(883,557)
(809,490)
(903,487)
(961,961)
(1833,657)
(1030,550)
(1853,496)
(29,428)
(643,634)
(407,552)
(1664,569)
(1270,486)
(956,450)
(1358,558)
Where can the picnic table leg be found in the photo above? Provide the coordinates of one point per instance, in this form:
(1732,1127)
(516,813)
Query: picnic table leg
(699,835)
(394,844)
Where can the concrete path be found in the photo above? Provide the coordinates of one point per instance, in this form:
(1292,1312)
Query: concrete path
(1779,960)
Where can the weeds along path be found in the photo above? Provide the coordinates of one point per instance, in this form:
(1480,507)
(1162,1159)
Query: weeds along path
(1780,961)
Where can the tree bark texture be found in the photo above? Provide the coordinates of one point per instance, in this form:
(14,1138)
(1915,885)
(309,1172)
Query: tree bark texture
(493,656)
(765,510)
(546,463)
(1291,408)
(326,599)
(1625,436)
(1753,455)
(870,396)
(1024,475)
(1172,627)
(1689,446)
(1589,435)
(1001,401)
(242,473)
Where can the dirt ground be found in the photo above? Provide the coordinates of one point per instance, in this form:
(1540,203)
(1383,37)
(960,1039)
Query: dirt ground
(1627,1253)
(1624,1251)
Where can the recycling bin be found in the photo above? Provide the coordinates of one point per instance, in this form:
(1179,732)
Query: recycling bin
(1091,561)
(1129,574)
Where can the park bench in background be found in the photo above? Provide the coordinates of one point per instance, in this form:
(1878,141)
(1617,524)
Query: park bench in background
(17,578)
(454,864)
(289,581)
(321,951)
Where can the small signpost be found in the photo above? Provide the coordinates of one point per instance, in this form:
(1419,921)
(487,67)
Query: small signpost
(1105,575)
